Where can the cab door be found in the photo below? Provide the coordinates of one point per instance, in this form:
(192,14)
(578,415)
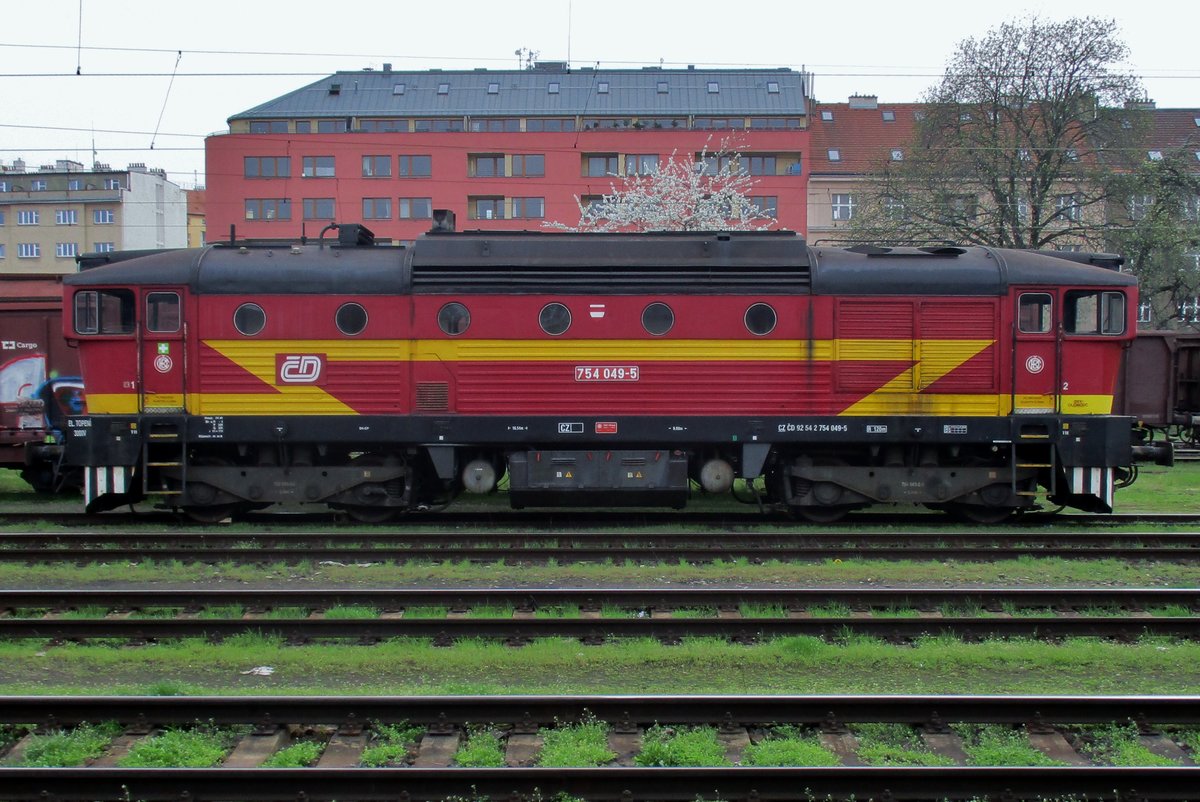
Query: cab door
(1036,352)
(163,362)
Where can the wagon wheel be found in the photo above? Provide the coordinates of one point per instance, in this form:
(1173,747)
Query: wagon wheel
(979,514)
(210,513)
(366,514)
(821,514)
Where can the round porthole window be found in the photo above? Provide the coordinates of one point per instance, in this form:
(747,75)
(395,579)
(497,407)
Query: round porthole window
(453,318)
(554,318)
(351,319)
(249,319)
(657,319)
(760,319)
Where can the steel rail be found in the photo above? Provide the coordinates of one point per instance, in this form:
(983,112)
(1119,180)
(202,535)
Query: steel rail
(540,554)
(578,518)
(607,783)
(596,630)
(623,712)
(673,598)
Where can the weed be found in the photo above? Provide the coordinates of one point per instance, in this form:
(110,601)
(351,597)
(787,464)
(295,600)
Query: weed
(482,750)
(297,756)
(894,745)
(64,748)
(582,744)
(681,746)
(191,749)
(789,746)
(997,745)
(1119,745)
(390,744)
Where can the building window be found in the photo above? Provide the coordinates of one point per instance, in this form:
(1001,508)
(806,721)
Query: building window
(268,126)
(3,186)
(399,89)
(28,217)
(29,250)
(318,167)
(772,87)
(1068,248)
(104,247)
(66,250)
(550,124)
(268,209)
(112,183)
(835,155)
(765,204)
(597,165)
(416,208)
(389,125)
(889,116)
(2,251)
(602,88)
(641,164)
(897,155)
(590,203)
(37,185)
(319,208)
(1155,155)
(438,124)
(416,166)
(493,88)
(332,126)
(303,126)
(528,208)
(663,88)
(74,185)
(485,208)
(1,217)
(843,207)
(528,164)
(1068,207)
(66,217)
(485,165)
(893,207)
(1145,312)
(377,166)
(377,208)
(267,167)
(552,88)
(443,89)
(827,116)
(758,165)
(1139,206)
(496,125)
(713,87)
(102,217)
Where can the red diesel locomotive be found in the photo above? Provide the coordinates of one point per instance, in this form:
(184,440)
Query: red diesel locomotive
(598,370)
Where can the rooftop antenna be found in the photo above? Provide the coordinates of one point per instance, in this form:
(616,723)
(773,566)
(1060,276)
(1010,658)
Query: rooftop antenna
(570,3)
(79,43)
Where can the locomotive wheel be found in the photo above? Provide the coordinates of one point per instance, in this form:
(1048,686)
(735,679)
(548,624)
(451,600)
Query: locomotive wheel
(370,515)
(821,514)
(210,514)
(978,514)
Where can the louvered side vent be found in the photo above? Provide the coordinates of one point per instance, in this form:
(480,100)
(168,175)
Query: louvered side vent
(777,279)
(433,396)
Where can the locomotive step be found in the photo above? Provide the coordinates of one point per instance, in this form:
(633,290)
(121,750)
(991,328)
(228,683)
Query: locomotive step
(1035,465)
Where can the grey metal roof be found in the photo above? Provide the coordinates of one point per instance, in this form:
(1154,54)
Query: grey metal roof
(371,93)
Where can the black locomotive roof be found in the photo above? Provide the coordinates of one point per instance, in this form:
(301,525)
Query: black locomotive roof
(225,270)
(516,262)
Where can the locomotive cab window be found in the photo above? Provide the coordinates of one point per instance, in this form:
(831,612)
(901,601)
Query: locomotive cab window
(162,312)
(104,312)
(1094,312)
(1036,313)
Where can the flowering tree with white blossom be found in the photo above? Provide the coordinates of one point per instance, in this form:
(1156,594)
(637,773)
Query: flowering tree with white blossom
(708,194)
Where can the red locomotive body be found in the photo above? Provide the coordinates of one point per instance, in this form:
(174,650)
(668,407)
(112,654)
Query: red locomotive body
(602,369)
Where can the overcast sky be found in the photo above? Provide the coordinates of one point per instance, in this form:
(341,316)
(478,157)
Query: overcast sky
(236,55)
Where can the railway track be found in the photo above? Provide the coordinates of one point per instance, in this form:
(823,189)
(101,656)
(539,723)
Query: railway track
(426,770)
(567,546)
(519,615)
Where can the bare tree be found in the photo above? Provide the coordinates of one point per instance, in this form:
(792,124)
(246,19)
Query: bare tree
(1018,144)
(710,193)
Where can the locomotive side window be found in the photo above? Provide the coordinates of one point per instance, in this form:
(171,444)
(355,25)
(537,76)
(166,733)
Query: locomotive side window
(1035,313)
(104,312)
(1094,312)
(453,318)
(760,319)
(554,319)
(162,311)
(249,319)
(351,319)
(657,319)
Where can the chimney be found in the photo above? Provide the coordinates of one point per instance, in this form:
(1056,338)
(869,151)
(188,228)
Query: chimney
(864,101)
